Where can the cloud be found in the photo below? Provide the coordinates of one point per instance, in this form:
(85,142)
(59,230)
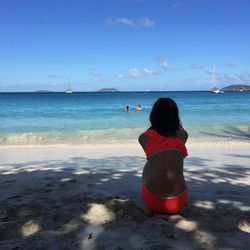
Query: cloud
(150,71)
(177,4)
(164,64)
(136,73)
(123,21)
(146,22)
(146,71)
(96,76)
(196,66)
(180,3)
(142,22)
(232,64)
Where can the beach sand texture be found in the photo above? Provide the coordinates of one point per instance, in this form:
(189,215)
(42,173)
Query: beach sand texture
(86,197)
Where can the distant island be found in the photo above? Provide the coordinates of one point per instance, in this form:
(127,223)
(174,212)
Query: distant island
(44,91)
(237,87)
(108,90)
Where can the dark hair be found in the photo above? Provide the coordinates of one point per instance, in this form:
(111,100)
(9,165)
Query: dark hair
(164,117)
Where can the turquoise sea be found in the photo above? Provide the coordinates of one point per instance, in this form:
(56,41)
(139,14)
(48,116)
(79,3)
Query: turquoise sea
(94,117)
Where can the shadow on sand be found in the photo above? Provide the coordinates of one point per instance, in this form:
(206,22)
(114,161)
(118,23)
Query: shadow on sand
(232,133)
(87,203)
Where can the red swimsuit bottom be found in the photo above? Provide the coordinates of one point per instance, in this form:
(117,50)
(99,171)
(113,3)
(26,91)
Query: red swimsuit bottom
(170,205)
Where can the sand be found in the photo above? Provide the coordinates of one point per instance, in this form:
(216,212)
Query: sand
(88,197)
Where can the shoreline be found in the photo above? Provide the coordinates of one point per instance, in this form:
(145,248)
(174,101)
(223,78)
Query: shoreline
(219,154)
(197,135)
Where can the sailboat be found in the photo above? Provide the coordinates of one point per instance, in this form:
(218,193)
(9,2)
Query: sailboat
(214,89)
(69,91)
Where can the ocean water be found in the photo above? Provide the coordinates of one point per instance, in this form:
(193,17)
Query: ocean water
(94,117)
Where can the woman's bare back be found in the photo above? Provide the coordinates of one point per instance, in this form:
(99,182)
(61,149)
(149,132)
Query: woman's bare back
(163,172)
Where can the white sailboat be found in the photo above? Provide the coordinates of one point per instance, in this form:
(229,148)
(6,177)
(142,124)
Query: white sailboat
(214,89)
(69,91)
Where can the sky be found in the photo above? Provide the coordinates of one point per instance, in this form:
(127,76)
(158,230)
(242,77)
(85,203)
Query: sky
(131,45)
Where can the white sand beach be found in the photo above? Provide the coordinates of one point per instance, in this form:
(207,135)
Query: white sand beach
(86,197)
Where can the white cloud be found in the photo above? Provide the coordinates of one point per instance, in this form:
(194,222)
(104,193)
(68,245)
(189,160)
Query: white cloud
(177,4)
(150,71)
(164,65)
(180,3)
(146,71)
(143,22)
(146,22)
(135,73)
(126,21)
(122,20)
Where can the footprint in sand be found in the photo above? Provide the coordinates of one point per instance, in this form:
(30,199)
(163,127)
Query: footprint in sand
(244,226)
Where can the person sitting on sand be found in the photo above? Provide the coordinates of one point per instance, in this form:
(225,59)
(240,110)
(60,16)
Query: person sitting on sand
(163,185)
(138,108)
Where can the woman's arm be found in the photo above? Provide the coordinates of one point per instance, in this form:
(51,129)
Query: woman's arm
(143,140)
(182,135)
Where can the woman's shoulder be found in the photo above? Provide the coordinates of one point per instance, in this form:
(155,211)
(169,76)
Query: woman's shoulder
(143,140)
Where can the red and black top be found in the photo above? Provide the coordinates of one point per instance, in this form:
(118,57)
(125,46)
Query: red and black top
(157,143)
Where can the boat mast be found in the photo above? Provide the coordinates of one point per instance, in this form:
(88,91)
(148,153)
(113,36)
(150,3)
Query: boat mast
(213,77)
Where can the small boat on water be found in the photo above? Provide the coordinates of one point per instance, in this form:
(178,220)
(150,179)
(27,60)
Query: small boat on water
(214,89)
(69,91)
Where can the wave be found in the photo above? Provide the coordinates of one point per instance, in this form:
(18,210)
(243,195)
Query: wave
(121,135)
(107,136)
